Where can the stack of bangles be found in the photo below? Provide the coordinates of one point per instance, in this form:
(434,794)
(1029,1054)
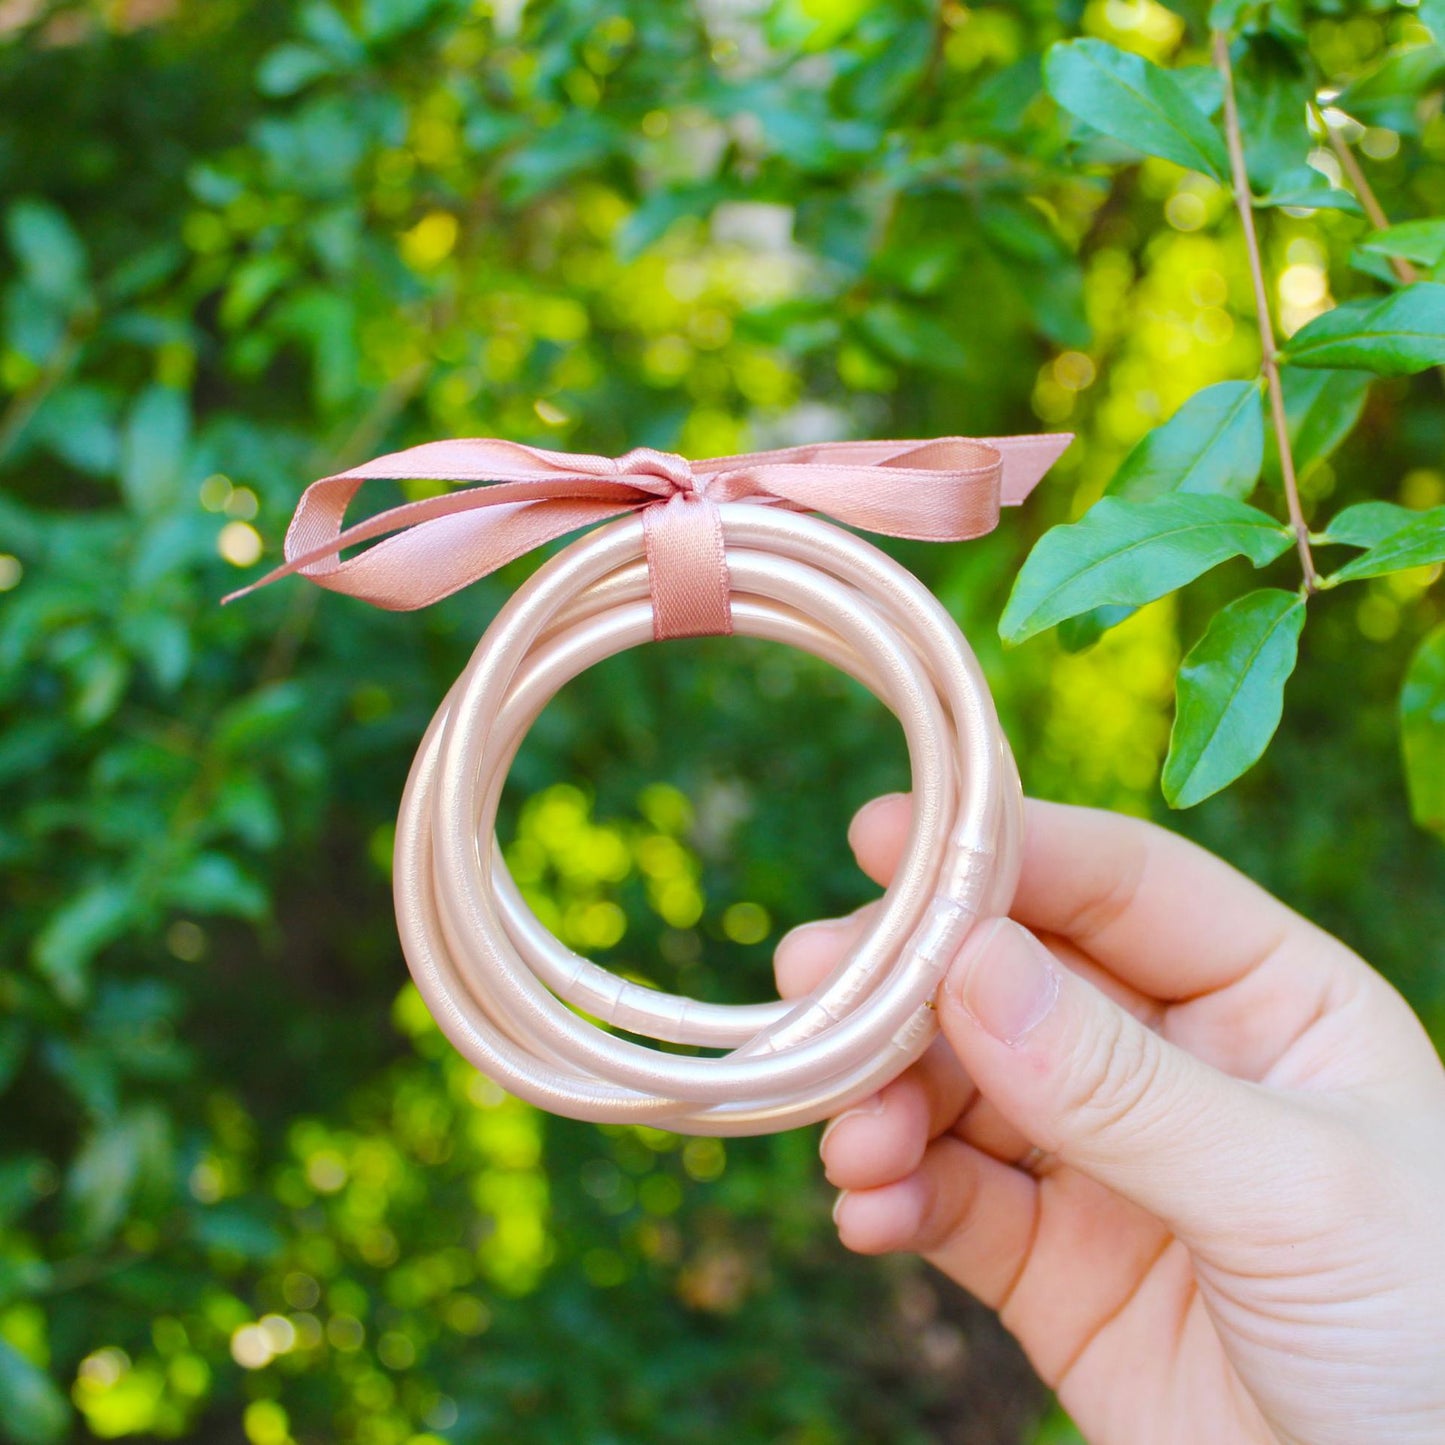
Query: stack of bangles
(691,557)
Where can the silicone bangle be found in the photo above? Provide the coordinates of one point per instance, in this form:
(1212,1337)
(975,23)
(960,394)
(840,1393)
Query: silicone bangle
(505,991)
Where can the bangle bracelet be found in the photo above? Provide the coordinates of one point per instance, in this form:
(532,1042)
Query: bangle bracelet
(511,997)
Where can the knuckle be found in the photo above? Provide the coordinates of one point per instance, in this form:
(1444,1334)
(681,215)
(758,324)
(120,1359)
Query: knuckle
(1118,1082)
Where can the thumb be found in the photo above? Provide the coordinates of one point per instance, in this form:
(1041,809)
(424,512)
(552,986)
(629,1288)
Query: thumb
(1084,1079)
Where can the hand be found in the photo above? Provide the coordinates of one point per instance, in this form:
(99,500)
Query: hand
(1236,1229)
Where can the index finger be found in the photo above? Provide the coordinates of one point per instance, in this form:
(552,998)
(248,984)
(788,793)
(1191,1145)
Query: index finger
(1156,910)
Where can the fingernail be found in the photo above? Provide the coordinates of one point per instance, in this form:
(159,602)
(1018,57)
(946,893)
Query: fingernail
(1008,992)
(860,818)
(838,1205)
(868,1109)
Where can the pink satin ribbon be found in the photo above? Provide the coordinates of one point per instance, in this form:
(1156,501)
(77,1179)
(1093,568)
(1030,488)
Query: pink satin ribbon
(945,489)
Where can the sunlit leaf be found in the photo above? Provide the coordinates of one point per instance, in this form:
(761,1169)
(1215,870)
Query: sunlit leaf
(1129,553)
(1422,242)
(1134,101)
(1388,93)
(1419,543)
(1213,443)
(1305,189)
(1230,693)
(1366,523)
(813,24)
(1401,334)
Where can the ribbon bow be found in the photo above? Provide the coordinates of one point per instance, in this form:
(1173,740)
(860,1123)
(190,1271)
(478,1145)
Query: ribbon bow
(947,489)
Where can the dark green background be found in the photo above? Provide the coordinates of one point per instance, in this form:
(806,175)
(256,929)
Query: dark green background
(246,1191)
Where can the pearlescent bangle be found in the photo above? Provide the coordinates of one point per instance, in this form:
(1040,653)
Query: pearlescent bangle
(707,547)
(500,985)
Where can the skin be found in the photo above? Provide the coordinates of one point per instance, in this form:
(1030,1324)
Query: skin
(1237,1230)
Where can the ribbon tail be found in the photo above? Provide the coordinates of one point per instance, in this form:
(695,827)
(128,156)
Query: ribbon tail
(1025,460)
(430,561)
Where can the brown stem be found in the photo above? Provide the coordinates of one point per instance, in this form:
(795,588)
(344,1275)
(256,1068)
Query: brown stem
(1365,193)
(1244,204)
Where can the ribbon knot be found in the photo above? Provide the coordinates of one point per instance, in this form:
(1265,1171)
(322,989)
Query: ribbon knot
(943,489)
(676,471)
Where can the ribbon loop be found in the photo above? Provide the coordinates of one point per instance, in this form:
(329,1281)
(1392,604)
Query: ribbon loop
(939,489)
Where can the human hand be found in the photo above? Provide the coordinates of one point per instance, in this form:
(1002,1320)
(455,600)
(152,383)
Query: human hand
(1235,1231)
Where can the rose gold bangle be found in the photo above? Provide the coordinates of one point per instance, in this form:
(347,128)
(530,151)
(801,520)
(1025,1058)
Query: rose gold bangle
(507,993)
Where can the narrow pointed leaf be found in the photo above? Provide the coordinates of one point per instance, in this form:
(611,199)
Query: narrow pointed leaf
(1422,242)
(1367,523)
(1129,553)
(1213,443)
(1388,93)
(1305,189)
(1422,731)
(1420,543)
(1132,100)
(1230,693)
(1402,334)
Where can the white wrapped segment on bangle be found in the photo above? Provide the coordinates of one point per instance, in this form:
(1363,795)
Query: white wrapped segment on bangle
(510,996)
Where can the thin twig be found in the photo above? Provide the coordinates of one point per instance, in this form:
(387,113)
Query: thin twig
(1364,192)
(1244,204)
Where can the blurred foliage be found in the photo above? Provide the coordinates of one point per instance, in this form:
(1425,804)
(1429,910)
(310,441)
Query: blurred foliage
(246,1190)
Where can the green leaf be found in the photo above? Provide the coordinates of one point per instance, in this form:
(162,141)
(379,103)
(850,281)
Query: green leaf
(36,1413)
(251,285)
(1305,189)
(1402,334)
(1422,731)
(101,1181)
(813,24)
(1320,409)
(77,424)
(1213,443)
(215,883)
(1388,94)
(77,931)
(1420,543)
(49,252)
(1132,552)
(290,68)
(1230,693)
(911,335)
(1271,88)
(1367,523)
(1422,242)
(383,19)
(1081,632)
(153,449)
(1131,100)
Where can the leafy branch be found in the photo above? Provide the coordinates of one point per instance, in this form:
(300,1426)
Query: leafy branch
(1244,205)
(1177,505)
